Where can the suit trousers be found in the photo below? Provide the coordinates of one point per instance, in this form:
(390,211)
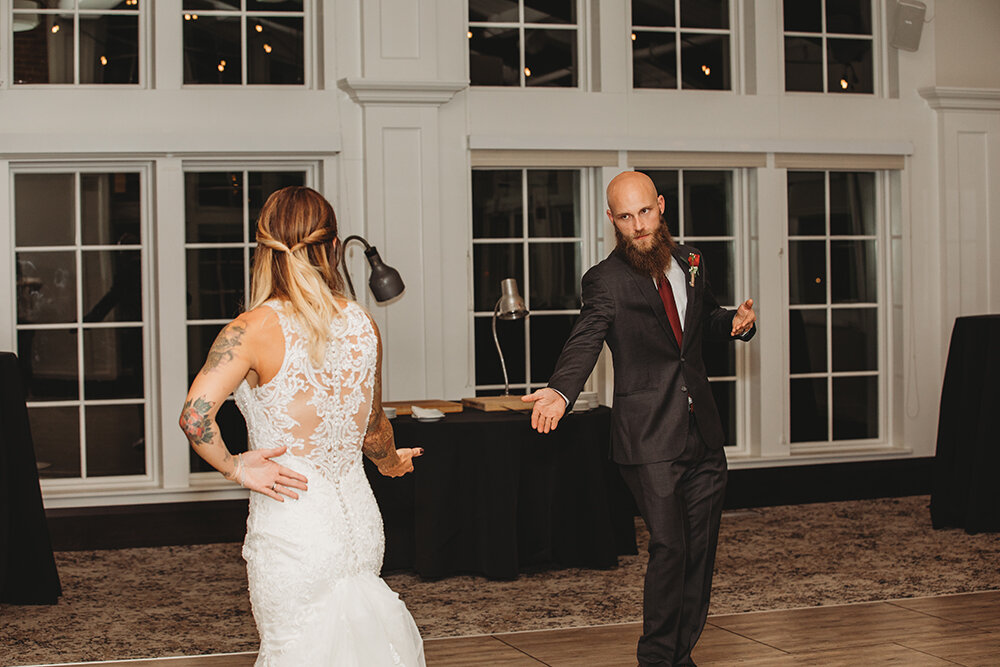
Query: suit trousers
(681,503)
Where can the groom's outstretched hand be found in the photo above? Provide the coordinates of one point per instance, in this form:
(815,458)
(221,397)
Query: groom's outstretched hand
(548,410)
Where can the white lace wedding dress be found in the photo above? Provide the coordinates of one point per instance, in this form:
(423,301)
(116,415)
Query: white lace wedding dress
(313,563)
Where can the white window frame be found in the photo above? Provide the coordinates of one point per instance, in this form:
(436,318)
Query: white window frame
(880,80)
(309,41)
(582,53)
(143,51)
(151,384)
(735,31)
(884,187)
(589,240)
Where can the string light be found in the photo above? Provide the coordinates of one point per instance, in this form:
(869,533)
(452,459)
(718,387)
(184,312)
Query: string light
(222,65)
(469,34)
(843,84)
(104,60)
(527,72)
(259,28)
(706,69)
(267,48)
(633,36)
(55,28)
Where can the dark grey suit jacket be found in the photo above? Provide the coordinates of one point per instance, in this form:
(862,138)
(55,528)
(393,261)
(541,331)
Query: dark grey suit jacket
(653,377)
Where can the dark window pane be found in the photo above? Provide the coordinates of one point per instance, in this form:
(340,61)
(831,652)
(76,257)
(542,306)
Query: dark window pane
(211,4)
(215,283)
(212,49)
(809,409)
(853,276)
(719,358)
(724,393)
(806,203)
(494,58)
(261,185)
(552,203)
(491,264)
(804,64)
(112,363)
(48,364)
(852,203)
(199,340)
(803,16)
(232,428)
(806,272)
(654,60)
(708,203)
(855,408)
(719,268)
(44,48)
(849,16)
(109,49)
(666,185)
(555,276)
(55,433)
(276,52)
(705,13)
(550,58)
(849,66)
(658,13)
(110,209)
(550,11)
(854,339)
(274,5)
(116,440)
(807,341)
(705,61)
(112,286)
(213,207)
(548,335)
(46,287)
(496,204)
(44,209)
(499,11)
(511,335)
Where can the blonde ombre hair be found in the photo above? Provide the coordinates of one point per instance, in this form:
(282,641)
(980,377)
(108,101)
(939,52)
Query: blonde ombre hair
(295,260)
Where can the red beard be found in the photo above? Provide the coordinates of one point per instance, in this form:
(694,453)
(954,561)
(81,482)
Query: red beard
(654,260)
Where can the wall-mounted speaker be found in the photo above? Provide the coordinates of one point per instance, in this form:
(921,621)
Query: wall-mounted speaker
(907,24)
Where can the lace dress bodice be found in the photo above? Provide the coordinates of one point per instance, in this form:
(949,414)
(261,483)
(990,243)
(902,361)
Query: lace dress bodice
(313,564)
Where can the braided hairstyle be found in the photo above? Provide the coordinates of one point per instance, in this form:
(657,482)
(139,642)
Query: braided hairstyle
(295,260)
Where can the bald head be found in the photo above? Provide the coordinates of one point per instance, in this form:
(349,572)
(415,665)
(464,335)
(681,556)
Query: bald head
(628,185)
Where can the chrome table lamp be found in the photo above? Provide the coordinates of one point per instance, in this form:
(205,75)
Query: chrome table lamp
(510,306)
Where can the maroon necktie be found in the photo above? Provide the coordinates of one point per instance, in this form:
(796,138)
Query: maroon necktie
(667,296)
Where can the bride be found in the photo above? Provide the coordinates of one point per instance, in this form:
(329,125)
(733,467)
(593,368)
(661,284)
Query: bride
(304,364)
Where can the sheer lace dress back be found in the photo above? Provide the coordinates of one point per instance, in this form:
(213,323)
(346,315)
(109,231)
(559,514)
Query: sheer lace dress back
(320,412)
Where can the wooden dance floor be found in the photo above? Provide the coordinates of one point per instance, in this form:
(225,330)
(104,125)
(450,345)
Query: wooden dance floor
(950,630)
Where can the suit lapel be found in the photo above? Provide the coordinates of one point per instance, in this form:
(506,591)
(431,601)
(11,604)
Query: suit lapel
(682,261)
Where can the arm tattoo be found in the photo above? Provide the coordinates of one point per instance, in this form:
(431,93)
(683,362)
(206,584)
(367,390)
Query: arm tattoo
(379,442)
(223,348)
(196,423)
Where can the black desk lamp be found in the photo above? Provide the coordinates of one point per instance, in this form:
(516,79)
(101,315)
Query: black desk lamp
(384,282)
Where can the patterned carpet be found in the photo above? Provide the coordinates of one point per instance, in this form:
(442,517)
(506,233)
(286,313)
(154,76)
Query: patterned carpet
(134,603)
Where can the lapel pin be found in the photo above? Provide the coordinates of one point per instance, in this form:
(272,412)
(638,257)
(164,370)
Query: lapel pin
(694,259)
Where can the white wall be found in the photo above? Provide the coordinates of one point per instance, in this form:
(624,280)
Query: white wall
(391,120)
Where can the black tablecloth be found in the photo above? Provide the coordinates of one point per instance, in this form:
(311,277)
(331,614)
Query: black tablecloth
(27,569)
(966,486)
(492,497)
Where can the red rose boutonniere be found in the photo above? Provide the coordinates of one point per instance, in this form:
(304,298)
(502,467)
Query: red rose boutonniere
(694,259)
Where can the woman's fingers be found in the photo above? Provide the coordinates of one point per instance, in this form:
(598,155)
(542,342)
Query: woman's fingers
(288,472)
(292,483)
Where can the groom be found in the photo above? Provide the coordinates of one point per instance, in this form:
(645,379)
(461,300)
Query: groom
(651,302)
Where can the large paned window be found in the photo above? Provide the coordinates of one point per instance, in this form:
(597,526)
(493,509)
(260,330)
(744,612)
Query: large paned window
(82,320)
(527,225)
(244,42)
(76,42)
(834,316)
(700,211)
(220,218)
(829,46)
(524,43)
(681,44)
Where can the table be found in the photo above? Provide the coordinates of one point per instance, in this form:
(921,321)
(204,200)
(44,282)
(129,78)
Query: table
(27,568)
(491,496)
(965,491)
